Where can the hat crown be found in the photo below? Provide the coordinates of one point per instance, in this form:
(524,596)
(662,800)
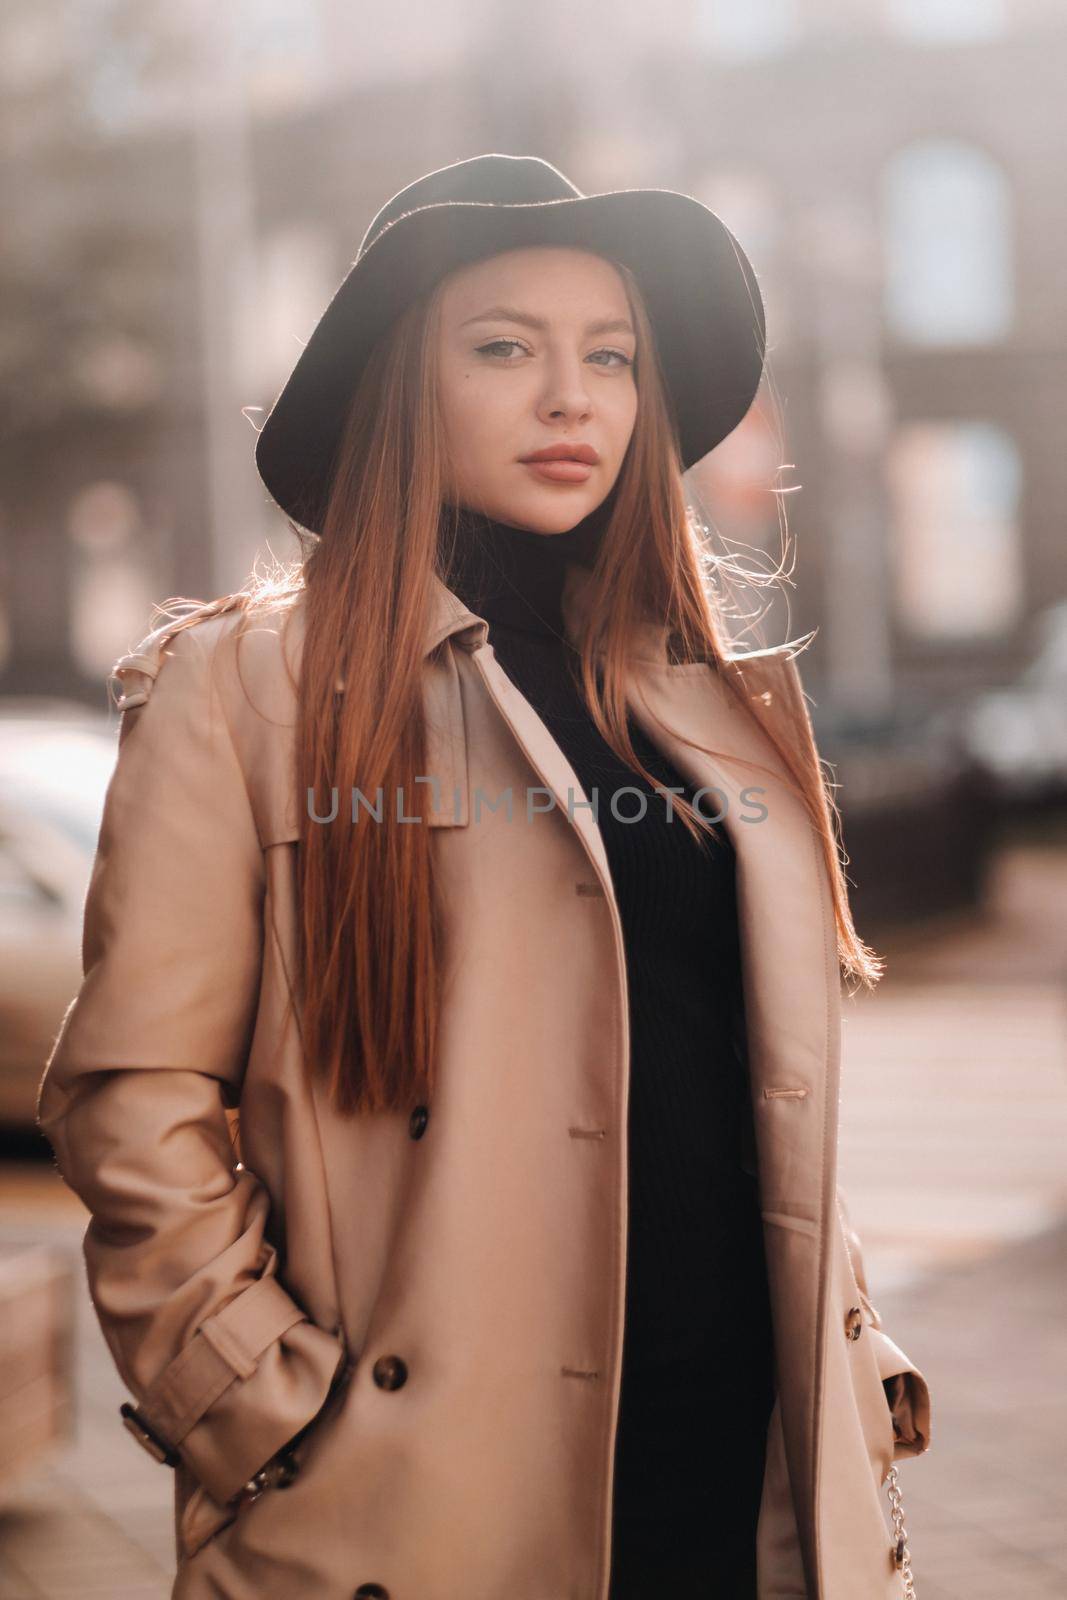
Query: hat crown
(485,180)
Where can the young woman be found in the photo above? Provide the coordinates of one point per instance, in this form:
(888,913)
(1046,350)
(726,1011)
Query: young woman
(504,902)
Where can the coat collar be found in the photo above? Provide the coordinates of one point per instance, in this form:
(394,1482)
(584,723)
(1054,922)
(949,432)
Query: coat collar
(451,618)
(766,681)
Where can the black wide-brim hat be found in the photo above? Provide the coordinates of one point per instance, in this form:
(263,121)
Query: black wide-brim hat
(703,301)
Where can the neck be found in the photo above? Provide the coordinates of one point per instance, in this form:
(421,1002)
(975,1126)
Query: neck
(513,576)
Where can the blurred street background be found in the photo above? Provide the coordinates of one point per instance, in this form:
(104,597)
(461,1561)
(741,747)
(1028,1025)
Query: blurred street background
(187,186)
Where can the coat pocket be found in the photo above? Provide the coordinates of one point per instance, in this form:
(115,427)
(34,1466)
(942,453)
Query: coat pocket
(201,1518)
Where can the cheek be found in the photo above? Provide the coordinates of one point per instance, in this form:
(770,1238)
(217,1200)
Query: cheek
(461,397)
(622,417)
(460,411)
(475,421)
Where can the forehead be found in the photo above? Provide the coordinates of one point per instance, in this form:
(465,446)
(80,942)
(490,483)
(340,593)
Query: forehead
(546,280)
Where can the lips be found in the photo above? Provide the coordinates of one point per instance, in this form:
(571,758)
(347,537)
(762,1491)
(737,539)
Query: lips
(584,453)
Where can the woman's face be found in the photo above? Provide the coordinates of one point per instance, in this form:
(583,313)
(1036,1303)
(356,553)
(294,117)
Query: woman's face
(536,350)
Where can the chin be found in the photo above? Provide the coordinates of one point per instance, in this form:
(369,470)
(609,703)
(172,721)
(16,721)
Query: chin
(557,511)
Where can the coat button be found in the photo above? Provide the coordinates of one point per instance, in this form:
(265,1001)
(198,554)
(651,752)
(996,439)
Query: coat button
(853,1322)
(417,1122)
(371,1591)
(390,1372)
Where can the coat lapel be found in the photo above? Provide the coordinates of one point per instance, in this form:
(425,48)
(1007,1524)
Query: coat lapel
(446,748)
(792,999)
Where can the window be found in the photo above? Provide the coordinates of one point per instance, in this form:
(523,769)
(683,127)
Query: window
(956,554)
(749,206)
(947,242)
(755,28)
(112,574)
(297,275)
(948,21)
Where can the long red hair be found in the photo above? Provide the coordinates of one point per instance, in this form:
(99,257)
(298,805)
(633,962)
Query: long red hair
(370,930)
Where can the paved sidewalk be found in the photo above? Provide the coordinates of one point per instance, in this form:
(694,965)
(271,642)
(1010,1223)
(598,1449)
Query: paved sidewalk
(954,1079)
(954,1128)
(97,1523)
(985,1507)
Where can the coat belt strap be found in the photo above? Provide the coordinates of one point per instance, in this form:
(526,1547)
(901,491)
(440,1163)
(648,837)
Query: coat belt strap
(225,1346)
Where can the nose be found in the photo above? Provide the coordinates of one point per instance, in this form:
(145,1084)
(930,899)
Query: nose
(565,397)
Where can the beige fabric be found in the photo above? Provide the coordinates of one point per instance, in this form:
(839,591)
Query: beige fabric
(488,1254)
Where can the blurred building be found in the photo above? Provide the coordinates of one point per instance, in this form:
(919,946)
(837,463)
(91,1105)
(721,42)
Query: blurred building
(893,168)
(193,184)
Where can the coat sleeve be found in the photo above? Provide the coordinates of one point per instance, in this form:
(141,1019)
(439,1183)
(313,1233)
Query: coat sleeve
(905,1387)
(225,1366)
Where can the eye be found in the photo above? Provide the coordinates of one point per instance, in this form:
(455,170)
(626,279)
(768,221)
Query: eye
(499,348)
(621,358)
(495,346)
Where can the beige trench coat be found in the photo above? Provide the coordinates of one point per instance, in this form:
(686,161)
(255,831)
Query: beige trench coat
(483,1244)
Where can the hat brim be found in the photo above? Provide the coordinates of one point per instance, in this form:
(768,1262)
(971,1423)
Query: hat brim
(701,292)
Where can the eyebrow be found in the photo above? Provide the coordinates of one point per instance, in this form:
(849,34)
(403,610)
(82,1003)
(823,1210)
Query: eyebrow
(513,314)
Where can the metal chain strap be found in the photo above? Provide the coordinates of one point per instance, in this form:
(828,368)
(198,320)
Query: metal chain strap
(901,1553)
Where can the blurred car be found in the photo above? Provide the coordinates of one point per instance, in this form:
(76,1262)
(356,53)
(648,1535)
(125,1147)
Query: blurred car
(56,760)
(918,826)
(1018,735)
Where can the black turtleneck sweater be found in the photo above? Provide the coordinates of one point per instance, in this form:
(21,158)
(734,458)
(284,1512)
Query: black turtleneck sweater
(697,1364)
